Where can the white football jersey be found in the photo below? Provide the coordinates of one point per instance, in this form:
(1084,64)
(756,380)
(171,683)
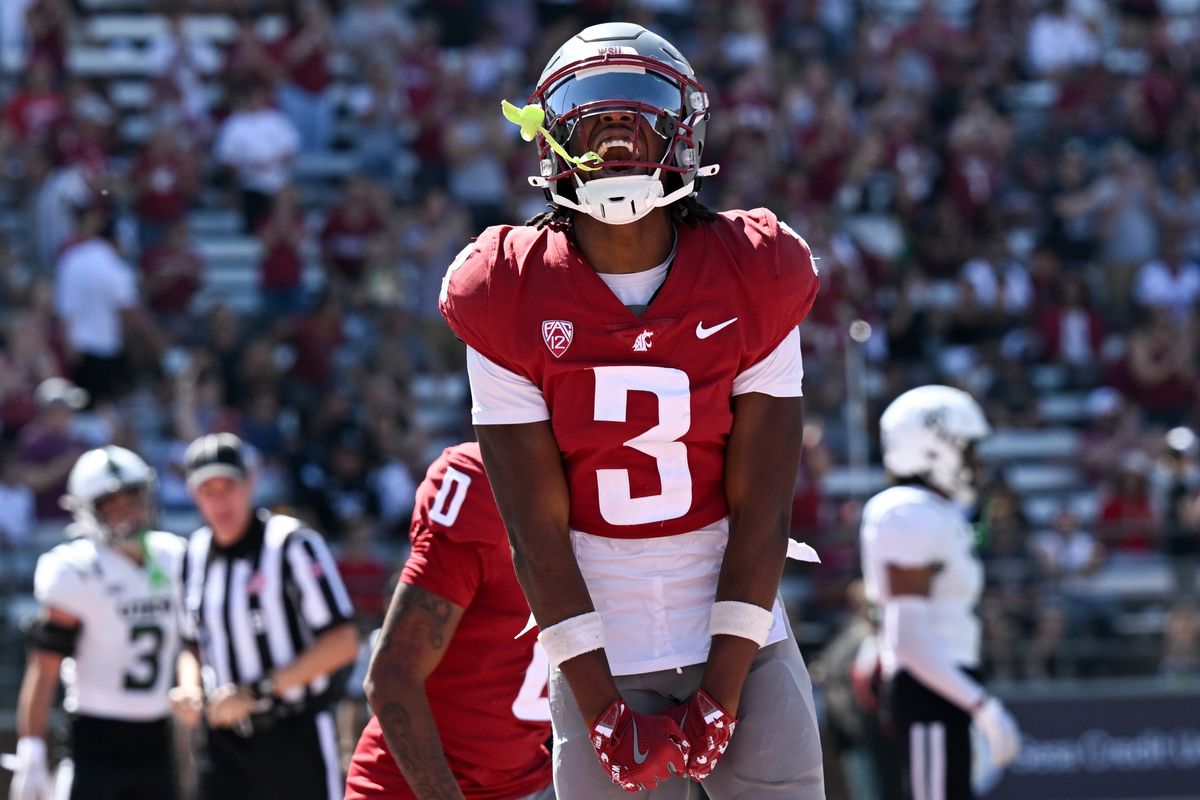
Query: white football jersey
(124,660)
(910,526)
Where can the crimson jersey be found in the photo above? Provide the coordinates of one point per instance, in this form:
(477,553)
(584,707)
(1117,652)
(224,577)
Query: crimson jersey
(488,693)
(639,405)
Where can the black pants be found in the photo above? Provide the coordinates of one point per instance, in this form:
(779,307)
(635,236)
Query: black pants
(934,736)
(120,760)
(295,758)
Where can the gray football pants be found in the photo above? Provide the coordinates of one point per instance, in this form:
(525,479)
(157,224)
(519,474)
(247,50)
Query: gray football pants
(775,753)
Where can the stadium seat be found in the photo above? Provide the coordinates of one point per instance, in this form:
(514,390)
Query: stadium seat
(858,482)
(1008,445)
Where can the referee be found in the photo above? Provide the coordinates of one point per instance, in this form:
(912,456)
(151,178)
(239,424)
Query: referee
(268,626)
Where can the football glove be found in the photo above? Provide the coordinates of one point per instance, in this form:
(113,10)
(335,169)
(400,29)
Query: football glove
(1000,732)
(638,751)
(31,778)
(708,729)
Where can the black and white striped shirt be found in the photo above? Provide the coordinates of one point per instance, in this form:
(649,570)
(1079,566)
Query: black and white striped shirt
(258,604)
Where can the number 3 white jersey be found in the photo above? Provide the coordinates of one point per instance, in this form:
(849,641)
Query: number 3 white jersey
(910,526)
(124,659)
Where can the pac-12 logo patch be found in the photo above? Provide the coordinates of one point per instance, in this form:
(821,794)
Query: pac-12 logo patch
(557,334)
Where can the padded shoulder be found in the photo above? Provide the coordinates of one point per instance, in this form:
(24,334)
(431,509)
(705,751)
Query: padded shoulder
(66,576)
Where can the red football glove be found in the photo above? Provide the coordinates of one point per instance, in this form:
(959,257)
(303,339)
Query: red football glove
(708,729)
(638,751)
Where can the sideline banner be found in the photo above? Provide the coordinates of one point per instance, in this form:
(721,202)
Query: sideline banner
(1105,748)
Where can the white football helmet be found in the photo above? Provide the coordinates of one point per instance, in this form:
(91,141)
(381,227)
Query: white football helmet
(927,433)
(99,474)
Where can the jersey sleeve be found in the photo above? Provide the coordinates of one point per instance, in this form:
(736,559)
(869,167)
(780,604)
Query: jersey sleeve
(60,584)
(911,536)
(453,570)
(324,601)
(465,299)
(502,397)
(781,374)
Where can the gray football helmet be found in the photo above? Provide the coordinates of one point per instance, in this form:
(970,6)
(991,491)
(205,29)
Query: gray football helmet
(622,67)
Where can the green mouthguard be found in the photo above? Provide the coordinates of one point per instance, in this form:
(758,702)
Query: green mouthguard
(530,118)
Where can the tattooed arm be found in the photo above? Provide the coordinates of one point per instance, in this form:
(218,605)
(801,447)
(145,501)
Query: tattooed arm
(415,635)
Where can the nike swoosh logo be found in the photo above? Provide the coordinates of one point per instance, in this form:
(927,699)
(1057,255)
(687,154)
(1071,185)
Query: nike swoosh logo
(703,332)
(639,755)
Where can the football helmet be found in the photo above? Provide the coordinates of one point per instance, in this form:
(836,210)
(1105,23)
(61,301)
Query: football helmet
(620,67)
(98,475)
(928,433)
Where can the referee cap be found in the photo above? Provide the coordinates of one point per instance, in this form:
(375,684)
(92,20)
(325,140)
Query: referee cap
(217,455)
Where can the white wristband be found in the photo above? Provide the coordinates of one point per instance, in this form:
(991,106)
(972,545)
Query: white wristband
(31,750)
(735,618)
(573,637)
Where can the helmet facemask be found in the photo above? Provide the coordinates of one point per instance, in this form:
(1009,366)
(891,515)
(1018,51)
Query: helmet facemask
(91,520)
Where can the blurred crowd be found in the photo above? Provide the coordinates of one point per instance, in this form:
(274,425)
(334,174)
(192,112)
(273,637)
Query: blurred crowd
(1007,194)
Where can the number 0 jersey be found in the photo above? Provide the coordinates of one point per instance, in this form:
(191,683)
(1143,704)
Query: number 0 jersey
(124,661)
(640,405)
(488,693)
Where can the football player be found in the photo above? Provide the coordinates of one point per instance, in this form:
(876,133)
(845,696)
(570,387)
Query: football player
(919,571)
(457,682)
(109,624)
(636,377)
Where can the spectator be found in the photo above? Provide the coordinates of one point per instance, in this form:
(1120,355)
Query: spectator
(1178,203)
(1181,642)
(181,64)
(171,276)
(375,30)
(1170,281)
(1072,331)
(1158,371)
(48,446)
(17,501)
(165,181)
(364,573)
(350,230)
(381,110)
(25,361)
(303,58)
(281,271)
(96,297)
(1128,523)
(1060,39)
(1067,559)
(32,112)
(1176,480)
(337,485)
(258,143)
(48,23)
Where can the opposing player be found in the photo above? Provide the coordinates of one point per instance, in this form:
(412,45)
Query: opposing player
(109,620)
(920,572)
(636,378)
(457,685)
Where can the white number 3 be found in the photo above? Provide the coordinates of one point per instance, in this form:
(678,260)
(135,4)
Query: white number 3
(671,387)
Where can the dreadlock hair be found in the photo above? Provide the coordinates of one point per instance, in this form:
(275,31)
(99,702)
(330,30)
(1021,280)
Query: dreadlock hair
(687,210)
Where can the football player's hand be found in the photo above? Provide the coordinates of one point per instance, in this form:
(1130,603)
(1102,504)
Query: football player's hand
(708,729)
(638,751)
(31,777)
(1000,731)
(229,706)
(187,704)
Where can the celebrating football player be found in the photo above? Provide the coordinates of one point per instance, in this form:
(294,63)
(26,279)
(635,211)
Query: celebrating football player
(456,683)
(110,609)
(919,570)
(636,377)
